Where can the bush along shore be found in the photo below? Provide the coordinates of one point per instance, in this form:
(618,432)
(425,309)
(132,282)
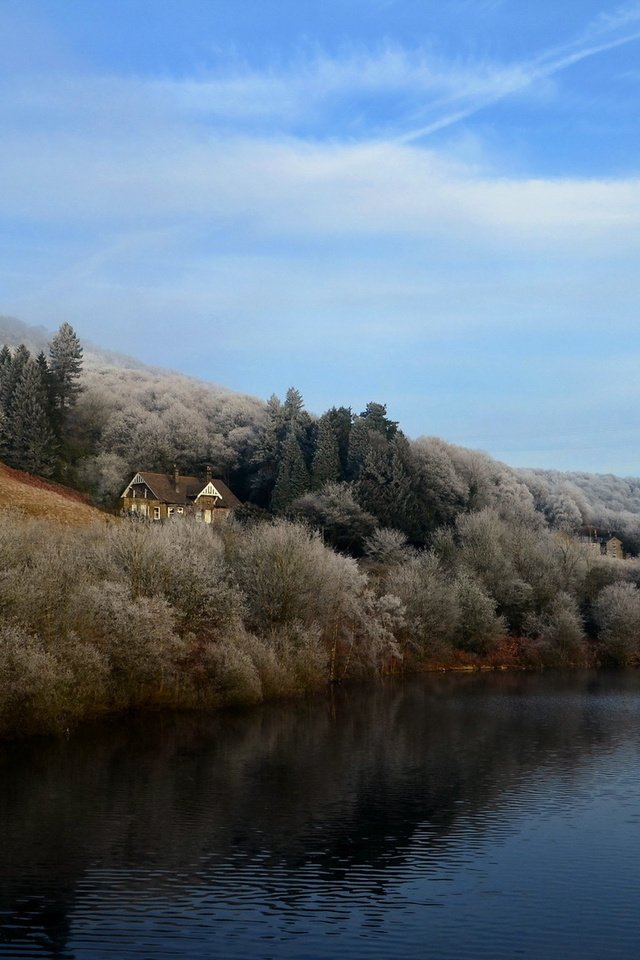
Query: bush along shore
(131,615)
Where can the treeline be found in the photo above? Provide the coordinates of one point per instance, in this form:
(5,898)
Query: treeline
(126,615)
(37,395)
(273,454)
(601,500)
(344,472)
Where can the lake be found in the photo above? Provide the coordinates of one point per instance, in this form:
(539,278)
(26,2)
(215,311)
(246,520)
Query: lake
(447,816)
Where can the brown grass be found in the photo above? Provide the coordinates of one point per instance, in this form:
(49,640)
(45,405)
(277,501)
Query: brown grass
(36,497)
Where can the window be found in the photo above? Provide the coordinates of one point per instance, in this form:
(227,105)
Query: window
(156,513)
(180,510)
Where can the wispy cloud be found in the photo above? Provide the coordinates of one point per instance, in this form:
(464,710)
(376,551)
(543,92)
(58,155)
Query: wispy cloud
(385,93)
(605,32)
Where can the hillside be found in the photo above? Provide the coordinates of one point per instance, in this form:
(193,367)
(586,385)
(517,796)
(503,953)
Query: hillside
(35,497)
(130,415)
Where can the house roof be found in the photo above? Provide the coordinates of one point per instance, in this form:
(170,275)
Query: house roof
(164,487)
(599,533)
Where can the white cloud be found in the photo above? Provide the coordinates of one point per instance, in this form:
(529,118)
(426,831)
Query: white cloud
(287,187)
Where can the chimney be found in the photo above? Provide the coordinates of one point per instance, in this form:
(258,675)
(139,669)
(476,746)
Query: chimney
(208,473)
(176,476)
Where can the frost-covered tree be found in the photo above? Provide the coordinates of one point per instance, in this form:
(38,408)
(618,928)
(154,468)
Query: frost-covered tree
(617,615)
(556,635)
(65,361)
(335,512)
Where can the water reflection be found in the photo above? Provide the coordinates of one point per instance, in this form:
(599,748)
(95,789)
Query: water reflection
(269,832)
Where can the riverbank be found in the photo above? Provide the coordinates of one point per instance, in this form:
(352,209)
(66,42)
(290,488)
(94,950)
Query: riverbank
(102,619)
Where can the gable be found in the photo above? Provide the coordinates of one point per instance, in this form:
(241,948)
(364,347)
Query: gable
(139,488)
(210,491)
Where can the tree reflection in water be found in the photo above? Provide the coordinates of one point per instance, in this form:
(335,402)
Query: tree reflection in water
(315,793)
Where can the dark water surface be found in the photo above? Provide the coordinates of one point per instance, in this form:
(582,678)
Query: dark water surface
(447,816)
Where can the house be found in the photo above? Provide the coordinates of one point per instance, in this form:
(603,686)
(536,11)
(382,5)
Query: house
(602,542)
(161,496)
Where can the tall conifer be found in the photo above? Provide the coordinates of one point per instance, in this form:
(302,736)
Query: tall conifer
(31,440)
(293,477)
(65,361)
(325,467)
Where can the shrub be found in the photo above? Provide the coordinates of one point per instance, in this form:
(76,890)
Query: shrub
(617,615)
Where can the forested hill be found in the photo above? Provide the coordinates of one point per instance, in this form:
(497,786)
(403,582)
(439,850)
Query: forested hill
(606,495)
(357,550)
(344,471)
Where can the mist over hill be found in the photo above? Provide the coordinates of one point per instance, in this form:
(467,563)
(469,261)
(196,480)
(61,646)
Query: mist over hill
(14,332)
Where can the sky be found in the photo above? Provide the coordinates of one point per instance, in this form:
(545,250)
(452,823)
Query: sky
(433,204)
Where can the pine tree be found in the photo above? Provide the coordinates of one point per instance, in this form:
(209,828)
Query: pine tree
(267,455)
(32,443)
(4,434)
(293,477)
(389,486)
(293,406)
(369,428)
(294,415)
(46,380)
(325,467)
(341,419)
(281,420)
(65,355)
(5,373)
(5,363)
(14,368)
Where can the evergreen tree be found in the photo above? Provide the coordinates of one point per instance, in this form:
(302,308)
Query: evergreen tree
(5,355)
(65,355)
(4,434)
(5,372)
(341,420)
(375,417)
(12,371)
(31,440)
(14,368)
(293,477)
(46,380)
(325,467)
(371,427)
(267,455)
(281,420)
(293,406)
(389,486)
(294,415)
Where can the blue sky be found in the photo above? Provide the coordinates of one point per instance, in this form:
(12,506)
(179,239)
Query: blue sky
(430,204)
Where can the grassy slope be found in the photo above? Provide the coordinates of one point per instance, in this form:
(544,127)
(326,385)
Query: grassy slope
(36,497)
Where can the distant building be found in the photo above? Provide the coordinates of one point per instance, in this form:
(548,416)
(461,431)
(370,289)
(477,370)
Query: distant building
(603,542)
(161,496)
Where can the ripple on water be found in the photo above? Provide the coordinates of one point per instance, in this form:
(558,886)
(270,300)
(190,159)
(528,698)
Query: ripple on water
(487,818)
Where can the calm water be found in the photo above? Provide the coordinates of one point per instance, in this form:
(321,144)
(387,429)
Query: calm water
(492,816)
